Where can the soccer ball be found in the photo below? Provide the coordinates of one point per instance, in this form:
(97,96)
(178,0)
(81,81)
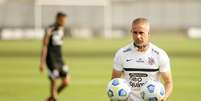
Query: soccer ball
(118,89)
(152,91)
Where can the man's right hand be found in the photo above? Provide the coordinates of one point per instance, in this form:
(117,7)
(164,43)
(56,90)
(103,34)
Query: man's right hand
(42,67)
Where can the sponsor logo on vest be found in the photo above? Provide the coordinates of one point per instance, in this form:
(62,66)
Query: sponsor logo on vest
(136,79)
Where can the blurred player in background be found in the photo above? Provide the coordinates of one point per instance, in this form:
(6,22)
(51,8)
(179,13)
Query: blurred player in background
(51,56)
(141,60)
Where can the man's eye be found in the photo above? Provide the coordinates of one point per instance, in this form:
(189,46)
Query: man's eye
(141,32)
(134,32)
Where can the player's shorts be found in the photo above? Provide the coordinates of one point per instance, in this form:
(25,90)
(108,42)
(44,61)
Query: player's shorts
(58,72)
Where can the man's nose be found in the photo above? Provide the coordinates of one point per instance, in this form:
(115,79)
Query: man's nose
(138,36)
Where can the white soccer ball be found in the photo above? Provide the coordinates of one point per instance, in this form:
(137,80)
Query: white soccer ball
(118,89)
(152,91)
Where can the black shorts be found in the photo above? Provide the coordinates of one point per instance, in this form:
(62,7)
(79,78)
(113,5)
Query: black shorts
(56,73)
(55,64)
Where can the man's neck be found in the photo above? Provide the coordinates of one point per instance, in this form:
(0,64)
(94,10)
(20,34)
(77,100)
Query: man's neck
(141,48)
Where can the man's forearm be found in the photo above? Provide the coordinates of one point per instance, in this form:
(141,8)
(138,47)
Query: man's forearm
(168,83)
(116,74)
(43,54)
(168,89)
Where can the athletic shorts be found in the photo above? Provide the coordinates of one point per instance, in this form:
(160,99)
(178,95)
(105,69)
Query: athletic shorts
(57,73)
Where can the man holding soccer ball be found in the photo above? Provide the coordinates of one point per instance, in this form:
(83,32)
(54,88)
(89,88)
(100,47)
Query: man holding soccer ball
(141,61)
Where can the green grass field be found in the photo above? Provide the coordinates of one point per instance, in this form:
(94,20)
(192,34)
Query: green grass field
(90,62)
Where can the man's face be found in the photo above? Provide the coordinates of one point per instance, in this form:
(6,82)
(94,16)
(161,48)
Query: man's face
(140,33)
(61,20)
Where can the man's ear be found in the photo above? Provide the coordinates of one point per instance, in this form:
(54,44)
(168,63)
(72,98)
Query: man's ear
(149,33)
(131,30)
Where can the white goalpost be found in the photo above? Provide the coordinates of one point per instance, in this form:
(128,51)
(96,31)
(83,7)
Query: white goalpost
(104,3)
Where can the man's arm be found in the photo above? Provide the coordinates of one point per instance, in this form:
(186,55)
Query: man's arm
(168,83)
(44,50)
(116,74)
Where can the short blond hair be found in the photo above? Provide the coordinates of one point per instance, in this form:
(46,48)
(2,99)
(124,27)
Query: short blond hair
(141,20)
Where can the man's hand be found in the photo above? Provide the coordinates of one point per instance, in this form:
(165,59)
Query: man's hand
(168,83)
(42,67)
(164,99)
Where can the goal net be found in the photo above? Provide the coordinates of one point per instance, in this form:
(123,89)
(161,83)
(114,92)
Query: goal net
(86,17)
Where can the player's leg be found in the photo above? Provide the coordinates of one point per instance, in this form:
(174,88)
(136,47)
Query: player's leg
(64,84)
(53,88)
(53,74)
(65,78)
(53,91)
